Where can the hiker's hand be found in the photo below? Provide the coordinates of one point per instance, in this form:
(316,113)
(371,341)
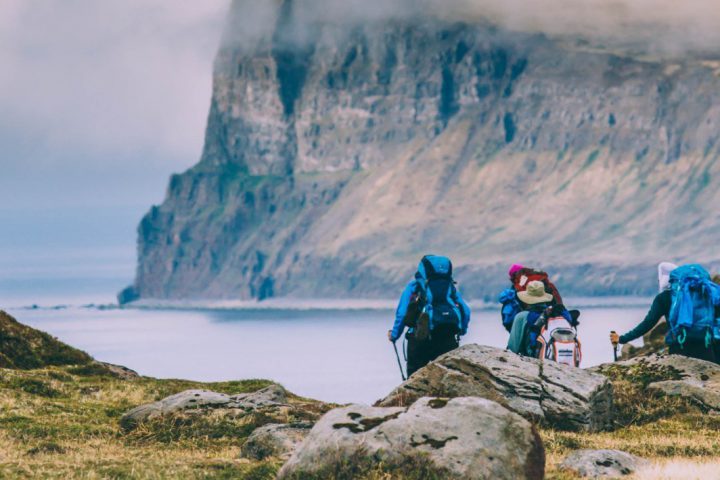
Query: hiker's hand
(390,336)
(614,338)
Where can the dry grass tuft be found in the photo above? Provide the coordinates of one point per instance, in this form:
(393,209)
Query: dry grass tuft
(59,423)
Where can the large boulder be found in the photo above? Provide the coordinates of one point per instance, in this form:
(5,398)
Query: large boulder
(602,463)
(275,440)
(271,396)
(557,395)
(696,381)
(461,438)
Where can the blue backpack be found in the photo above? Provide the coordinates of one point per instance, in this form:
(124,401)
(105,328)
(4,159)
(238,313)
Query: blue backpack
(692,312)
(510,307)
(438,290)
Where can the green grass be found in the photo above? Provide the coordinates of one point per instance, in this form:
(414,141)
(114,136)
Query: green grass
(63,422)
(26,348)
(648,424)
(60,422)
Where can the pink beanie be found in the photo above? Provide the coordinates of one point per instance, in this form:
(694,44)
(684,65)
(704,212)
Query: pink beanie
(515,267)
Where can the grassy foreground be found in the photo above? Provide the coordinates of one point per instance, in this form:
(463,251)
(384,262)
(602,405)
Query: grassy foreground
(60,412)
(62,422)
(680,440)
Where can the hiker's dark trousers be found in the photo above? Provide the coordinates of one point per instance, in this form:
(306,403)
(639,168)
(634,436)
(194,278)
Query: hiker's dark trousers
(421,352)
(695,350)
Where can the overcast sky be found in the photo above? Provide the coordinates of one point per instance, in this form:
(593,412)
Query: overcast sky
(101,100)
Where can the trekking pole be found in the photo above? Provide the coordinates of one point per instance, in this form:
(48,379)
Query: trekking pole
(615,345)
(397,355)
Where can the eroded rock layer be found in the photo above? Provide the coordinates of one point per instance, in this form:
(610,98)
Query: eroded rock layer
(337,154)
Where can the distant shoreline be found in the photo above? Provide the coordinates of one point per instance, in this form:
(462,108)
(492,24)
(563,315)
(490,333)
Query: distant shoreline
(357,304)
(320,304)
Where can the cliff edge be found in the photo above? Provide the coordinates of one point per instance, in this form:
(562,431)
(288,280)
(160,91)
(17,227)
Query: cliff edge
(337,154)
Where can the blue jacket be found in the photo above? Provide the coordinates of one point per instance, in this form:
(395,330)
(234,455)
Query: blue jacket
(402,307)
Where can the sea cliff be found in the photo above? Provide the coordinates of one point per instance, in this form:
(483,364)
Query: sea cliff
(337,153)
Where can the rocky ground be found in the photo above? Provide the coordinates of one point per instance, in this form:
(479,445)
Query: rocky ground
(477,412)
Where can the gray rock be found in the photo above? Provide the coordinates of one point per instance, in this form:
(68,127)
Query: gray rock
(602,463)
(204,399)
(460,438)
(267,397)
(695,380)
(120,371)
(557,395)
(275,440)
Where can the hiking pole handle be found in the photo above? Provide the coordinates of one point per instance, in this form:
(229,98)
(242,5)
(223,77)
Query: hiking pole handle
(615,345)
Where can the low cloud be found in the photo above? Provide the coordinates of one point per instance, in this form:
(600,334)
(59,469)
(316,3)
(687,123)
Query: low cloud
(106,77)
(88,87)
(660,26)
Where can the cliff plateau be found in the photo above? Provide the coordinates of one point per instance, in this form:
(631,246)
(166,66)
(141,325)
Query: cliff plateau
(337,154)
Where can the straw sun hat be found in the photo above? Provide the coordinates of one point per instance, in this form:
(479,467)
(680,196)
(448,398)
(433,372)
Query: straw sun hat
(535,293)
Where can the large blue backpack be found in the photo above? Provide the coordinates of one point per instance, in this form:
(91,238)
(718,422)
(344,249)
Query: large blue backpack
(438,289)
(692,312)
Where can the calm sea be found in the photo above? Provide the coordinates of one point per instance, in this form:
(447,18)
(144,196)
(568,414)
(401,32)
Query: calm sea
(64,260)
(329,354)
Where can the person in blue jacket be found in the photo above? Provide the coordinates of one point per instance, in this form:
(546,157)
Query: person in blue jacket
(433,311)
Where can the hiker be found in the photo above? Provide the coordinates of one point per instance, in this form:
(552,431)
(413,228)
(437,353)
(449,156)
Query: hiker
(520,277)
(690,302)
(716,280)
(434,312)
(537,306)
(509,301)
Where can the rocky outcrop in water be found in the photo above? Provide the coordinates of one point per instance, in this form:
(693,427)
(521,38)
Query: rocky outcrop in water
(462,438)
(560,396)
(337,154)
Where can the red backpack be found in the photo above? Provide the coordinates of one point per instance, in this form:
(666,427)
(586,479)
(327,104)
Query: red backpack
(524,276)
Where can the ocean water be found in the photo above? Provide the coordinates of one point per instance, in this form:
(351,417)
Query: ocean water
(62,260)
(333,355)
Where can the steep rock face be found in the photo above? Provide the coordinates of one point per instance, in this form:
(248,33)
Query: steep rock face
(336,155)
